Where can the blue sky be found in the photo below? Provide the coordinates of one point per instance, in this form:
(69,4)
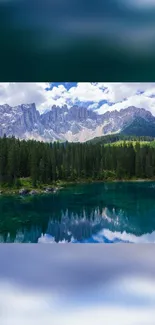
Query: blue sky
(69,285)
(100,96)
(67,85)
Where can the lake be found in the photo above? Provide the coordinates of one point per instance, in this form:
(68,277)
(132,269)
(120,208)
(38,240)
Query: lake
(83,213)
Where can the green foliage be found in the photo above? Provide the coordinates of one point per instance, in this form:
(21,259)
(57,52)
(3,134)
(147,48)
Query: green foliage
(119,137)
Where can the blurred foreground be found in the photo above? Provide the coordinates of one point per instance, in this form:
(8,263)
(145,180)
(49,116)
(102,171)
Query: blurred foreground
(111,40)
(74,284)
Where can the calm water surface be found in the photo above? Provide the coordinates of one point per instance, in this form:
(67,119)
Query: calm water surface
(89,213)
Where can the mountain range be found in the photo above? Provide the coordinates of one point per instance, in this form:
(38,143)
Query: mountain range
(77,123)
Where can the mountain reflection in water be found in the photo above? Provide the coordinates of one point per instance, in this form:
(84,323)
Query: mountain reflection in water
(84,213)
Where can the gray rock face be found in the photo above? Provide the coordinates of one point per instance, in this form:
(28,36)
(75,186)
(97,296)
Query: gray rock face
(19,120)
(33,192)
(60,123)
(23,191)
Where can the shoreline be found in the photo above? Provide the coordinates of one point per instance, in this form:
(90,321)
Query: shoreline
(33,191)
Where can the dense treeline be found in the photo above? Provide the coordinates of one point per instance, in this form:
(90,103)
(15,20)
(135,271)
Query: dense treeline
(45,163)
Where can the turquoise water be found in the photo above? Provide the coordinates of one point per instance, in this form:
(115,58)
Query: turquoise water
(91,213)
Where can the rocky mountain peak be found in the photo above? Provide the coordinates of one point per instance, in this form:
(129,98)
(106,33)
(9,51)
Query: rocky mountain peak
(76,123)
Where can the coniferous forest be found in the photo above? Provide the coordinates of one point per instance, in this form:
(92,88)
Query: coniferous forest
(47,163)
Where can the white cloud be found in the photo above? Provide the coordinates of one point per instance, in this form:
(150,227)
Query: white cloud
(17,93)
(140,287)
(141,101)
(86,91)
(121,95)
(118,91)
(110,315)
(140,4)
(18,307)
(22,307)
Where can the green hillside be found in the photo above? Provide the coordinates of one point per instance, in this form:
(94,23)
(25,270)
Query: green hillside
(140,127)
(120,138)
(121,143)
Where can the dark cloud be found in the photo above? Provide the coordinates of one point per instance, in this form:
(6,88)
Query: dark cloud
(73,268)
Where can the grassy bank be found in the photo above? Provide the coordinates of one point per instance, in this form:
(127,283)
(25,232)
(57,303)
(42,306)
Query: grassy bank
(40,188)
(26,183)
